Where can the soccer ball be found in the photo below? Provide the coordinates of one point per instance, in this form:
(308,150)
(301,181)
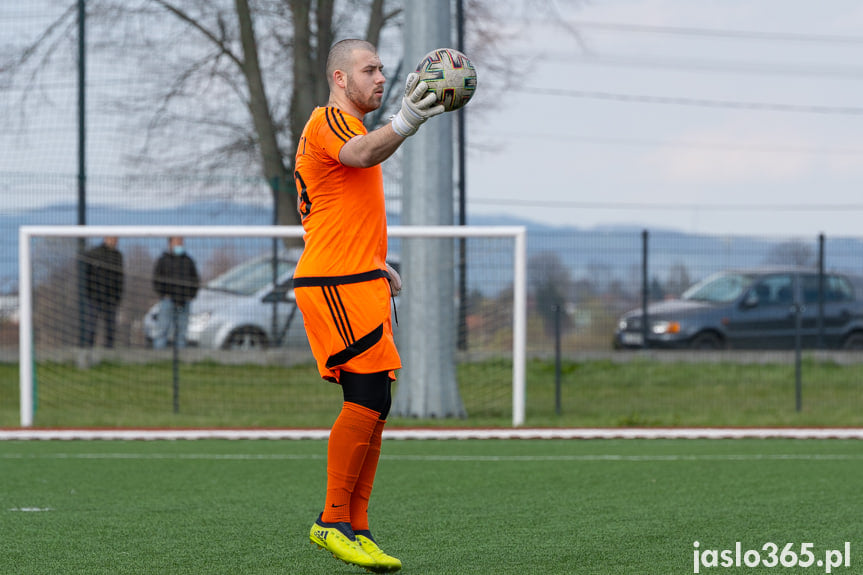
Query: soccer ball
(450,75)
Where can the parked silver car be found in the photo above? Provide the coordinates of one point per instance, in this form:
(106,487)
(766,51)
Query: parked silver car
(243,308)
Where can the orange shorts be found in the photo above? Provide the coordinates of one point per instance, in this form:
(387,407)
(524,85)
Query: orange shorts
(348,323)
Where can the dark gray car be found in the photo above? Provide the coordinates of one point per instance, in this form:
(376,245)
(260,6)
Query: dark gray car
(753,309)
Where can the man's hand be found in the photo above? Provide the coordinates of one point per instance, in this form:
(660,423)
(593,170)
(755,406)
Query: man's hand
(418,105)
(395,280)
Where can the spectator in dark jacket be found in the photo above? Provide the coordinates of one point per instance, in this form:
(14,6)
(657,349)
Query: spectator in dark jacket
(103,289)
(175,279)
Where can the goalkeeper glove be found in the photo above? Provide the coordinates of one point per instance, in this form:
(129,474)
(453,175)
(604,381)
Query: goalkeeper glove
(418,105)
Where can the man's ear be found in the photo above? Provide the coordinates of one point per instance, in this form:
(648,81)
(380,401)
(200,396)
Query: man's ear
(339,78)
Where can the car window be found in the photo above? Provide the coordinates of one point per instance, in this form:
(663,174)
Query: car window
(836,289)
(809,285)
(719,288)
(775,290)
(249,278)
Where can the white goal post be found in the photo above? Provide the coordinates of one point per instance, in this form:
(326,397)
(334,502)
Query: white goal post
(517,234)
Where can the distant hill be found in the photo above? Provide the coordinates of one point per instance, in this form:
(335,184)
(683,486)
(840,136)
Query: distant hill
(602,254)
(195,214)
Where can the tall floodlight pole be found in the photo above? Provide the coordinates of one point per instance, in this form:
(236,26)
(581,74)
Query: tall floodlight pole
(462,196)
(427,384)
(82,113)
(82,158)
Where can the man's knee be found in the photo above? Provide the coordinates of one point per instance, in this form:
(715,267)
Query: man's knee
(371,390)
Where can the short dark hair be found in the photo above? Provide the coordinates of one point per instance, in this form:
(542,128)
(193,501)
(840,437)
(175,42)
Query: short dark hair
(341,51)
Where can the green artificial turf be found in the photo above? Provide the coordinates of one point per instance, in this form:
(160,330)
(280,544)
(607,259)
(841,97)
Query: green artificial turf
(443,507)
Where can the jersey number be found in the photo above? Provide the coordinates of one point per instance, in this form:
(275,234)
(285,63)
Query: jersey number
(304,205)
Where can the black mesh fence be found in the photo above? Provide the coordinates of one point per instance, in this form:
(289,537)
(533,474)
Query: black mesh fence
(773,361)
(581,282)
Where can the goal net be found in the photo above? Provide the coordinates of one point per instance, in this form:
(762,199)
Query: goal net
(99,349)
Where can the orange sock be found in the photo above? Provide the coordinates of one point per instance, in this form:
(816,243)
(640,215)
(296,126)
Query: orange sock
(363,490)
(346,452)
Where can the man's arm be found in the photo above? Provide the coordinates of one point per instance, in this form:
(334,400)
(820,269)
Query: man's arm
(371,149)
(418,105)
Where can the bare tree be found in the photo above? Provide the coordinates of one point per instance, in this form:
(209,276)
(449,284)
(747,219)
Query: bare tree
(235,63)
(794,252)
(222,82)
(678,279)
(550,282)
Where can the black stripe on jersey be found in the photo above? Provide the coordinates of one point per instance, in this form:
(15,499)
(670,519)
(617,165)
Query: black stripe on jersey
(343,123)
(338,125)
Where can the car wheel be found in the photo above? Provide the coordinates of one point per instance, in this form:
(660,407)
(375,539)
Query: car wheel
(246,339)
(854,341)
(706,340)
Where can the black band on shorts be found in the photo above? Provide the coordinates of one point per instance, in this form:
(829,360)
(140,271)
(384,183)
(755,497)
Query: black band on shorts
(319,281)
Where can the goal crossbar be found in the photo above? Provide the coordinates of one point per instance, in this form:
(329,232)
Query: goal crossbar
(25,282)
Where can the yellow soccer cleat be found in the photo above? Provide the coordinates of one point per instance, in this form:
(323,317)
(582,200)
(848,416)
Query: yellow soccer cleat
(339,539)
(385,563)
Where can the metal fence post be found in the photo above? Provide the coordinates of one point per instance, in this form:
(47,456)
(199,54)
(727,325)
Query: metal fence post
(819,344)
(797,310)
(175,360)
(645,291)
(558,310)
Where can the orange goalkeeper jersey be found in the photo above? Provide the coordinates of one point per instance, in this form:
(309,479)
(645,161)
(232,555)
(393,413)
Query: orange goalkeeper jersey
(340,283)
(343,210)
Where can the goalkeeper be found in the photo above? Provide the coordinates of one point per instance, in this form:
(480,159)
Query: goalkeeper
(343,283)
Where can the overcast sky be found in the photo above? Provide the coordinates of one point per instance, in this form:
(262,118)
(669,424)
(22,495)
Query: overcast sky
(708,116)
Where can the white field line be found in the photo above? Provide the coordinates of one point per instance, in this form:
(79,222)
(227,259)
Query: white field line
(438,458)
(438,434)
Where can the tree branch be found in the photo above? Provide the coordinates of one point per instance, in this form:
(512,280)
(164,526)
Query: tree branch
(200,28)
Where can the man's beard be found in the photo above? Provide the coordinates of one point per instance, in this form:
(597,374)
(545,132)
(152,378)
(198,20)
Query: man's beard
(366,105)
